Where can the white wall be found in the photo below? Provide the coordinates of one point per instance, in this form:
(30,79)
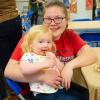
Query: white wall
(22,5)
(81,11)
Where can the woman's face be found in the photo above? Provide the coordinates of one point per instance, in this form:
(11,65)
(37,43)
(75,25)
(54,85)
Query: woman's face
(54,18)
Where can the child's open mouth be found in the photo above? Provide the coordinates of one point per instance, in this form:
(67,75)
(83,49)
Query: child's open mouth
(44,51)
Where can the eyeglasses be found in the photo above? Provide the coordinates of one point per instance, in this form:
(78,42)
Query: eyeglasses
(57,20)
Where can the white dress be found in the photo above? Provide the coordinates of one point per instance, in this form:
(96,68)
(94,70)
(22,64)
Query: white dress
(37,87)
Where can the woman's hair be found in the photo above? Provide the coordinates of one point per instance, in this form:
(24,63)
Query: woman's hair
(34,32)
(59,4)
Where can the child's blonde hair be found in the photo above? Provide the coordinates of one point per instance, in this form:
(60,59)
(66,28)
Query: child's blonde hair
(35,31)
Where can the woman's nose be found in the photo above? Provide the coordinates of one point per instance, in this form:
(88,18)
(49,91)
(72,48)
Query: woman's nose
(52,22)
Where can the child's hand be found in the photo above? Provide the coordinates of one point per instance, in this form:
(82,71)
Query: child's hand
(49,62)
(57,64)
(50,55)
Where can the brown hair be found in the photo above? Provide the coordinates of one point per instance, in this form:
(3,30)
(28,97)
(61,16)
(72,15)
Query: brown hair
(59,4)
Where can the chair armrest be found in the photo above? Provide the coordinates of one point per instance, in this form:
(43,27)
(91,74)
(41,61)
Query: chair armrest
(79,78)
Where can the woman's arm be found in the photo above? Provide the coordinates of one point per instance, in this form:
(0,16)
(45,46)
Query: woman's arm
(13,72)
(84,57)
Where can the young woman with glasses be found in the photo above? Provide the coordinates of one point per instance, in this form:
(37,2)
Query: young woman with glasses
(71,50)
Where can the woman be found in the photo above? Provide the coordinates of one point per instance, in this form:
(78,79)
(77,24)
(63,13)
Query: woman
(71,50)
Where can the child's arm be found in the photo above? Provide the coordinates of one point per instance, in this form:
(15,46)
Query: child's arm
(30,67)
(58,64)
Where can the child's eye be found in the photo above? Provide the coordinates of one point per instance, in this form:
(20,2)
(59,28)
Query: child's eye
(48,42)
(40,41)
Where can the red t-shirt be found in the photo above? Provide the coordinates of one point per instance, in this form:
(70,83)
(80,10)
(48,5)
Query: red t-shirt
(67,46)
(17,53)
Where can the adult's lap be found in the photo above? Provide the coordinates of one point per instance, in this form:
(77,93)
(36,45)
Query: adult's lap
(76,92)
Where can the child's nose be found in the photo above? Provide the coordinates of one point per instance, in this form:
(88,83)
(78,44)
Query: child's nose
(45,44)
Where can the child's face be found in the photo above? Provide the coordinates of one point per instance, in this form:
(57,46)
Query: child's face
(42,44)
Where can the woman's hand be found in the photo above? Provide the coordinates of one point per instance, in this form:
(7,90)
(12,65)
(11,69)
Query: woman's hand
(67,74)
(50,55)
(52,77)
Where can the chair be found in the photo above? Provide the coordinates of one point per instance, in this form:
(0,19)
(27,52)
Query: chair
(15,87)
(88,77)
(92,77)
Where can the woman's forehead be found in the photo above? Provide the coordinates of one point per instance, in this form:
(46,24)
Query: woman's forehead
(54,11)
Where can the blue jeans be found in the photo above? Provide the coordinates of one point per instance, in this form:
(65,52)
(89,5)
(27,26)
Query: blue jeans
(76,92)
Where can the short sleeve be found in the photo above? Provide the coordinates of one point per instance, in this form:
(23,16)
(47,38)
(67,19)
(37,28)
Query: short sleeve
(28,57)
(76,40)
